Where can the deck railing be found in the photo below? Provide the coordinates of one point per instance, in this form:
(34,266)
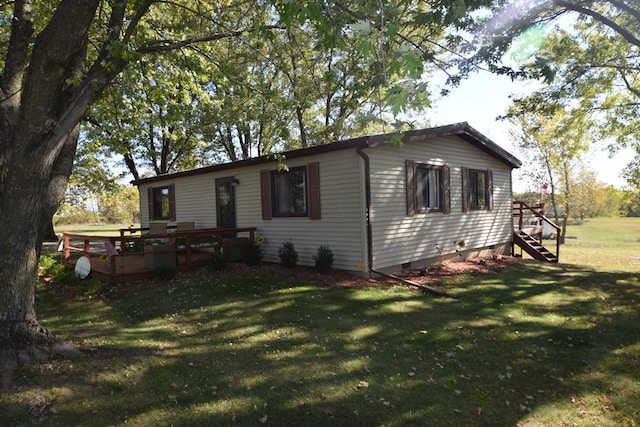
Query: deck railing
(132,253)
(531,219)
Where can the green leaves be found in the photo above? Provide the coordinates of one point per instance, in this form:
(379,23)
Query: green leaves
(281,73)
(591,69)
(457,10)
(405,94)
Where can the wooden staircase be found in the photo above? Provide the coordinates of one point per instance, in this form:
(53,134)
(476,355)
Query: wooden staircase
(529,228)
(532,247)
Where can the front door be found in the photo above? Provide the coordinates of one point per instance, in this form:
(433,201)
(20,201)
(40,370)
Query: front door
(226,202)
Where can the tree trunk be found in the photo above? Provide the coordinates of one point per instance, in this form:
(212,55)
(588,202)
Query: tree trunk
(29,198)
(568,190)
(39,129)
(49,233)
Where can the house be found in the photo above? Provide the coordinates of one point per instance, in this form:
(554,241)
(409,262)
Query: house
(381,203)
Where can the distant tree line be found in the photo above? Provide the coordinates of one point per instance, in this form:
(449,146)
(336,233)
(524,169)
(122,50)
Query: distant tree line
(589,201)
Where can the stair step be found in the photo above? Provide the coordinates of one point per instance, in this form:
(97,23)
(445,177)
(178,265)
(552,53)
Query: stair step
(533,247)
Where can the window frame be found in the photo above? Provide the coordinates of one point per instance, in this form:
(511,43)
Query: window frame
(312,189)
(478,190)
(153,203)
(471,190)
(275,176)
(440,190)
(444,187)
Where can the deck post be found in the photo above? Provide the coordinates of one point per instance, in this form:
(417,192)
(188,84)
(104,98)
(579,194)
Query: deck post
(67,249)
(520,216)
(112,259)
(187,250)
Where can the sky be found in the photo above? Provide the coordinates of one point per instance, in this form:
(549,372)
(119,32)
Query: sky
(483,97)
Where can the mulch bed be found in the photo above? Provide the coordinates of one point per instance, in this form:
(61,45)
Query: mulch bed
(431,276)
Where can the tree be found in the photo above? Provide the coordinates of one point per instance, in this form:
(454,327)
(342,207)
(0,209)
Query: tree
(557,140)
(590,67)
(94,193)
(631,204)
(151,116)
(495,33)
(598,71)
(60,57)
(250,96)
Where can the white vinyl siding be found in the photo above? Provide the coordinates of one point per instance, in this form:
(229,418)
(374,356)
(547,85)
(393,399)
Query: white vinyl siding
(341,226)
(195,200)
(398,238)
(342,213)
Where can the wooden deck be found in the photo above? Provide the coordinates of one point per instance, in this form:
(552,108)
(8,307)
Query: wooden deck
(138,254)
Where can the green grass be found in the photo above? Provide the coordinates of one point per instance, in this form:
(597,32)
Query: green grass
(534,345)
(611,244)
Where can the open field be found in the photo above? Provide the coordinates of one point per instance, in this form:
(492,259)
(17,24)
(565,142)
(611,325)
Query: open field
(610,244)
(93,229)
(531,345)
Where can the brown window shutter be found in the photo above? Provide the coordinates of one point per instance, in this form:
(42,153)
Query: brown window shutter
(466,199)
(172,202)
(313,186)
(265,193)
(411,187)
(489,189)
(150,202)
(446,189)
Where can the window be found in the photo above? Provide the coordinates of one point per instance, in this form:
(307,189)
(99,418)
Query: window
(477,189)
(289,192)
(162,203)
(294,193)
(428,188)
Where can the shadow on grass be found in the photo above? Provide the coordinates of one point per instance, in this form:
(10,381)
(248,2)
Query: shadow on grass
(535,344)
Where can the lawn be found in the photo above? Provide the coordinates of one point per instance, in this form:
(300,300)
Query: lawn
(604,243)
(532,345)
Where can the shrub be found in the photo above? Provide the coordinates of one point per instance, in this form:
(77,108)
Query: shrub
(288,255)
(218,262)
(165,272)
(65,277)
(62,276)
(253,256)
(324,259)
(46,263)
(49,266)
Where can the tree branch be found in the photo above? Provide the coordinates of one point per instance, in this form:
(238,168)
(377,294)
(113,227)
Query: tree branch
(166,45)
(135,20)
(600,18)
(56,50)
(626,8)
(16,57)
(629,86)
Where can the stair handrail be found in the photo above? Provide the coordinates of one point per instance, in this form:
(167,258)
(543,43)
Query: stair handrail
(523,206)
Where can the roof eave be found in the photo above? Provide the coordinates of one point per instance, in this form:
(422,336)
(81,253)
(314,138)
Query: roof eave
(469,134)
(462,130)
(301,152)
